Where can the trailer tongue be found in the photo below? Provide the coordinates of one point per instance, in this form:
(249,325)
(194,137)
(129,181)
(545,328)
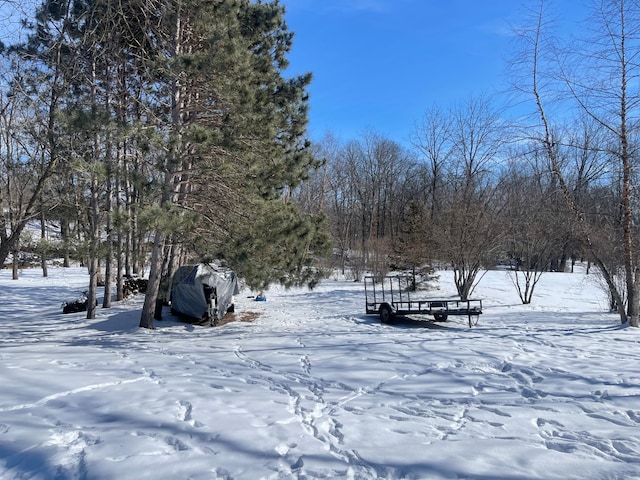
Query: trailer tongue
(389,296)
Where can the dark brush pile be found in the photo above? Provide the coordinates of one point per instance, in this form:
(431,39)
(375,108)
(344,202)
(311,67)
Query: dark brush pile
(80,304)
(134,285)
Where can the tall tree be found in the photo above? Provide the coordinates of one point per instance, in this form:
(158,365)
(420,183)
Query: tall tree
(532,222)
(598,76)
(236,144)
(468,227)
(432,137)
(39,89)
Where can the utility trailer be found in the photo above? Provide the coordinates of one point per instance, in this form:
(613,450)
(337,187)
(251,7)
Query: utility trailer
(390,295)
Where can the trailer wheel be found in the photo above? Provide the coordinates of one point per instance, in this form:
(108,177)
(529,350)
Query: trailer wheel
(386,314)
(440,317)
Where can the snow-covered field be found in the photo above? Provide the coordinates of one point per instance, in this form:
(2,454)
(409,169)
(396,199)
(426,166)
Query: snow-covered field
(313,388)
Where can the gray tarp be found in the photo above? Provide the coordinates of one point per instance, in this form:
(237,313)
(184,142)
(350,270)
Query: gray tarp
(192,286)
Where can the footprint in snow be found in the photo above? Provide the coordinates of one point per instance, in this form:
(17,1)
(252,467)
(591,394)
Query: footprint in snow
(541,422)
(72,445)
(306,364)
(297,465)
(184,413)
(283,449)
(633,416)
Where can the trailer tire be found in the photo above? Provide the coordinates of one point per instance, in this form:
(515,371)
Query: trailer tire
(440,317)
(386,314)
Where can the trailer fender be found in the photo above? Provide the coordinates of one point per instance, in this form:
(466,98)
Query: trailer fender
(387,313)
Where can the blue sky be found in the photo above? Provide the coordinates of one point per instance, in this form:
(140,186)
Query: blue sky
(380,64)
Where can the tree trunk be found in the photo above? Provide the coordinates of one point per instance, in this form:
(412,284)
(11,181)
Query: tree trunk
(155,271)
(14,265)
(43,244)
(93,287)
(579,217)
(627,210)
(11,242)
(106,302)
(94,240)
(64,234)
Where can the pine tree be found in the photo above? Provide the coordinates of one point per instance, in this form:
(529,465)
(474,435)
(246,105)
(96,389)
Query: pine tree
(181,109)
(236,144)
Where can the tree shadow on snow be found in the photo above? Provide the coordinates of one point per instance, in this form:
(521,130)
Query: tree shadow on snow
(123,322)
(404,322)
(129,321)
(171,321)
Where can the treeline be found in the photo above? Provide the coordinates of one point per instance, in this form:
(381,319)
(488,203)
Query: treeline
(466,196)
(477,187)
(155,132)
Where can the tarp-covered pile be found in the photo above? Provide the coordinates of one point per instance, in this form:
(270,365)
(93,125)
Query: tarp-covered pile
(202,292)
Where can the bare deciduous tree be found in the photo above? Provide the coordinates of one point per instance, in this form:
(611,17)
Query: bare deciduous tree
(597,74)
(468,226)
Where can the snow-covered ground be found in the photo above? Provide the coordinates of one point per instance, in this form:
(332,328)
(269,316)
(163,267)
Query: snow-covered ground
(314,388)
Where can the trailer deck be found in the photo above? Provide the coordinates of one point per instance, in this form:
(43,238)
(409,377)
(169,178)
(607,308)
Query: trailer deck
(389,296)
